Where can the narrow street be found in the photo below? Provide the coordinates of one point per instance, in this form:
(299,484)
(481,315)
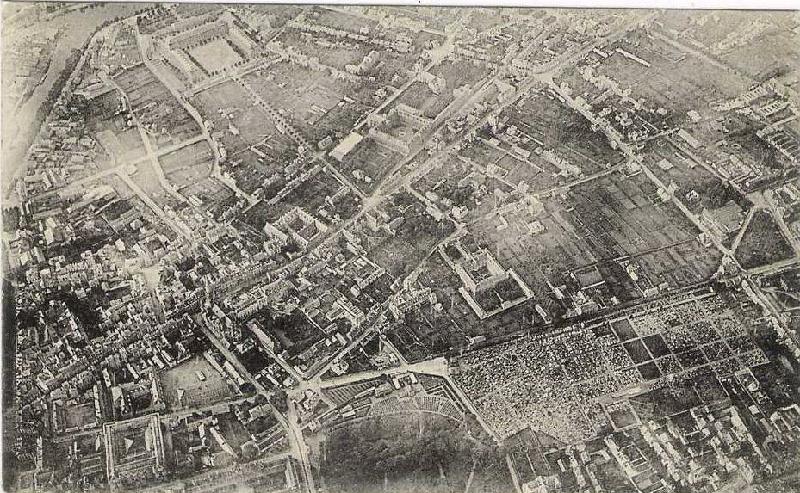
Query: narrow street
(525,258)
(183,101)
(295,435)
(173,223)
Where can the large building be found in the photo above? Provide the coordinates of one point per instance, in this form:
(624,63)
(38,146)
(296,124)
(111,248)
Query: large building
(134,451)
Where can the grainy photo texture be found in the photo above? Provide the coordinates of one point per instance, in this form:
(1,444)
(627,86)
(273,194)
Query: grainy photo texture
(367,249)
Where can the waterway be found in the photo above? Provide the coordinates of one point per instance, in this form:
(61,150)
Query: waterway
(20,125)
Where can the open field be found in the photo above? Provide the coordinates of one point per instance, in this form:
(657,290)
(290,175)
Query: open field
(372,160)
(763,243)
(216,55)
(309,97)
(410,452)
(188,165)
(608,220)
(695,83)
(196,392)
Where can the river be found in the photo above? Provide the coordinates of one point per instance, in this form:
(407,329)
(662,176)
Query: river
(19,128)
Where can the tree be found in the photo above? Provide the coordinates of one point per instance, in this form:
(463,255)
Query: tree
(249,451)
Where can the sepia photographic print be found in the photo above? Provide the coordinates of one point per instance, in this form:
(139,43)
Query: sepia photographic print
(399,249)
